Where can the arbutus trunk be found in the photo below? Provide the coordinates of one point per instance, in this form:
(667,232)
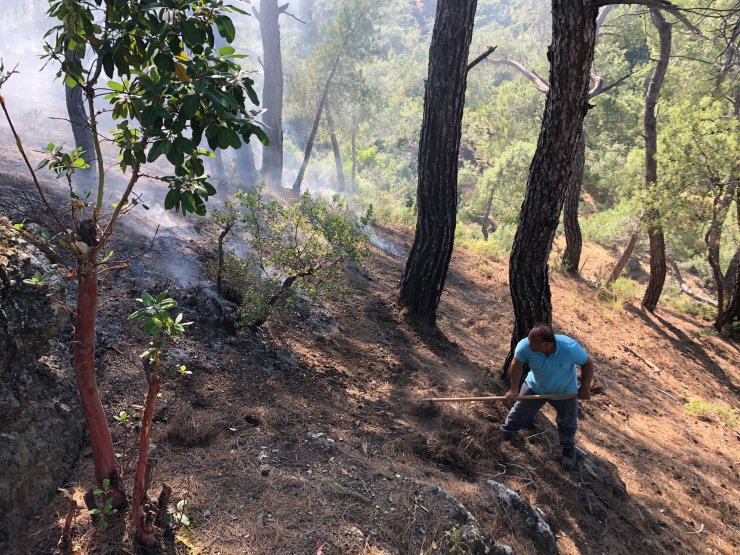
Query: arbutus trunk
(143,524)
(571,56)
(101,443)
(444,99)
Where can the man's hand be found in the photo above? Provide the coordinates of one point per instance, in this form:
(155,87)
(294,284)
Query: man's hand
(511,395)
(584,393)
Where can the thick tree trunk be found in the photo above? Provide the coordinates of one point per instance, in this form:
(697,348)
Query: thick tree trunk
(573,239)
(571,56)
(272,92)
(655,228)
(626,254)
(335,148)
(101,443)
(444,99)
(80,129)
(315,128)
(246,170)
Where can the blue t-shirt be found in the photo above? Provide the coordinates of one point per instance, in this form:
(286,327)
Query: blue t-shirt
(555,373)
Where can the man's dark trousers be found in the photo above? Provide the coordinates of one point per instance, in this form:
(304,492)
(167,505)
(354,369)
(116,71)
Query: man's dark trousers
(522,413)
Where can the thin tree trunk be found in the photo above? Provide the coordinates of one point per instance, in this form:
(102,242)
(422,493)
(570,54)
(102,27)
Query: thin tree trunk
(655,228)
(622,262)
(314,129)
(571,56)
(335,148)
(101,442)
(721,204)
(444,99)
(354,153)
(732,314)
(418,17)
(486,218)
(573,239)
(272,91)
(220,272)
(144,529)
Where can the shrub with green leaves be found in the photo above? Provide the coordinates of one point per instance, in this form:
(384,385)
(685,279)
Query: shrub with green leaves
(301,249)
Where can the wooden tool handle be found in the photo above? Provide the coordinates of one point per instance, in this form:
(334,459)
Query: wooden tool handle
(555,396)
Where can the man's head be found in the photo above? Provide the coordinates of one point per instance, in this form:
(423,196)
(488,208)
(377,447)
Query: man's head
(542,339)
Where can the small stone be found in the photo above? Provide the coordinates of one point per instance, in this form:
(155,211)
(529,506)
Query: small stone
(265,469)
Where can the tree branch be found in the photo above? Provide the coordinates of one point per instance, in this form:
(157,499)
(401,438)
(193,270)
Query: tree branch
(480,58)
(660,4)
(600,89)
(539,83)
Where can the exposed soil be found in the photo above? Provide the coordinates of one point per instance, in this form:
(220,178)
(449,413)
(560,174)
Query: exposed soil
(241,439)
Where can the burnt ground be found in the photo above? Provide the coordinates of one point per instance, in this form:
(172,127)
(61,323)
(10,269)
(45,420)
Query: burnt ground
(241,439)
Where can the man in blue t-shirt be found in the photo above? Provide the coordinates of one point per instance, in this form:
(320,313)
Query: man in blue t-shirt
(552,361)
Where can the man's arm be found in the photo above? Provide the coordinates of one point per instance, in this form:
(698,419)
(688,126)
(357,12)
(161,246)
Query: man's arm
(587,374)
(515,377)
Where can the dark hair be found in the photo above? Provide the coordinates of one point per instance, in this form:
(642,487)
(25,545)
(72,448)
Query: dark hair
(546,336)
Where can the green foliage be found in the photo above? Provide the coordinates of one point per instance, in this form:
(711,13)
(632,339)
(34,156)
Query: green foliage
(713,411)
(102,496)
(305,245)
(167,84)
(159,324)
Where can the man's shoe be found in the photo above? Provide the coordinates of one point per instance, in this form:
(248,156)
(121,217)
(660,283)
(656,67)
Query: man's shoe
(569,458)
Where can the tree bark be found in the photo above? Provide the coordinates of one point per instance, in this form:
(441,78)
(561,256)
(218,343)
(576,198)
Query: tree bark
(315,128)
(335,148)
(571,56)
(655,228)
(80,128)
(723,196)
(354,154)
(732,314)
(144,528)
(101,442)
(622,262)
(272,91)
(246,170)
(573,240)
(444,99)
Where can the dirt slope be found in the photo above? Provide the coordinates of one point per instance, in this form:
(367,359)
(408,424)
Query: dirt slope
(242,438)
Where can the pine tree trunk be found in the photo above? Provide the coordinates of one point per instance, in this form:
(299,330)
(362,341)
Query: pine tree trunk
(315,128)
(732,314)
(354,154)
(272,92)
(335,147)
(444,99)
(573,239)
(80,129)
(652,216)
(246,170)
(571,55)
(622,262)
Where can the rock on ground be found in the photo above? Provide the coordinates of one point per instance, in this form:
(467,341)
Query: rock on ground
(40,423)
